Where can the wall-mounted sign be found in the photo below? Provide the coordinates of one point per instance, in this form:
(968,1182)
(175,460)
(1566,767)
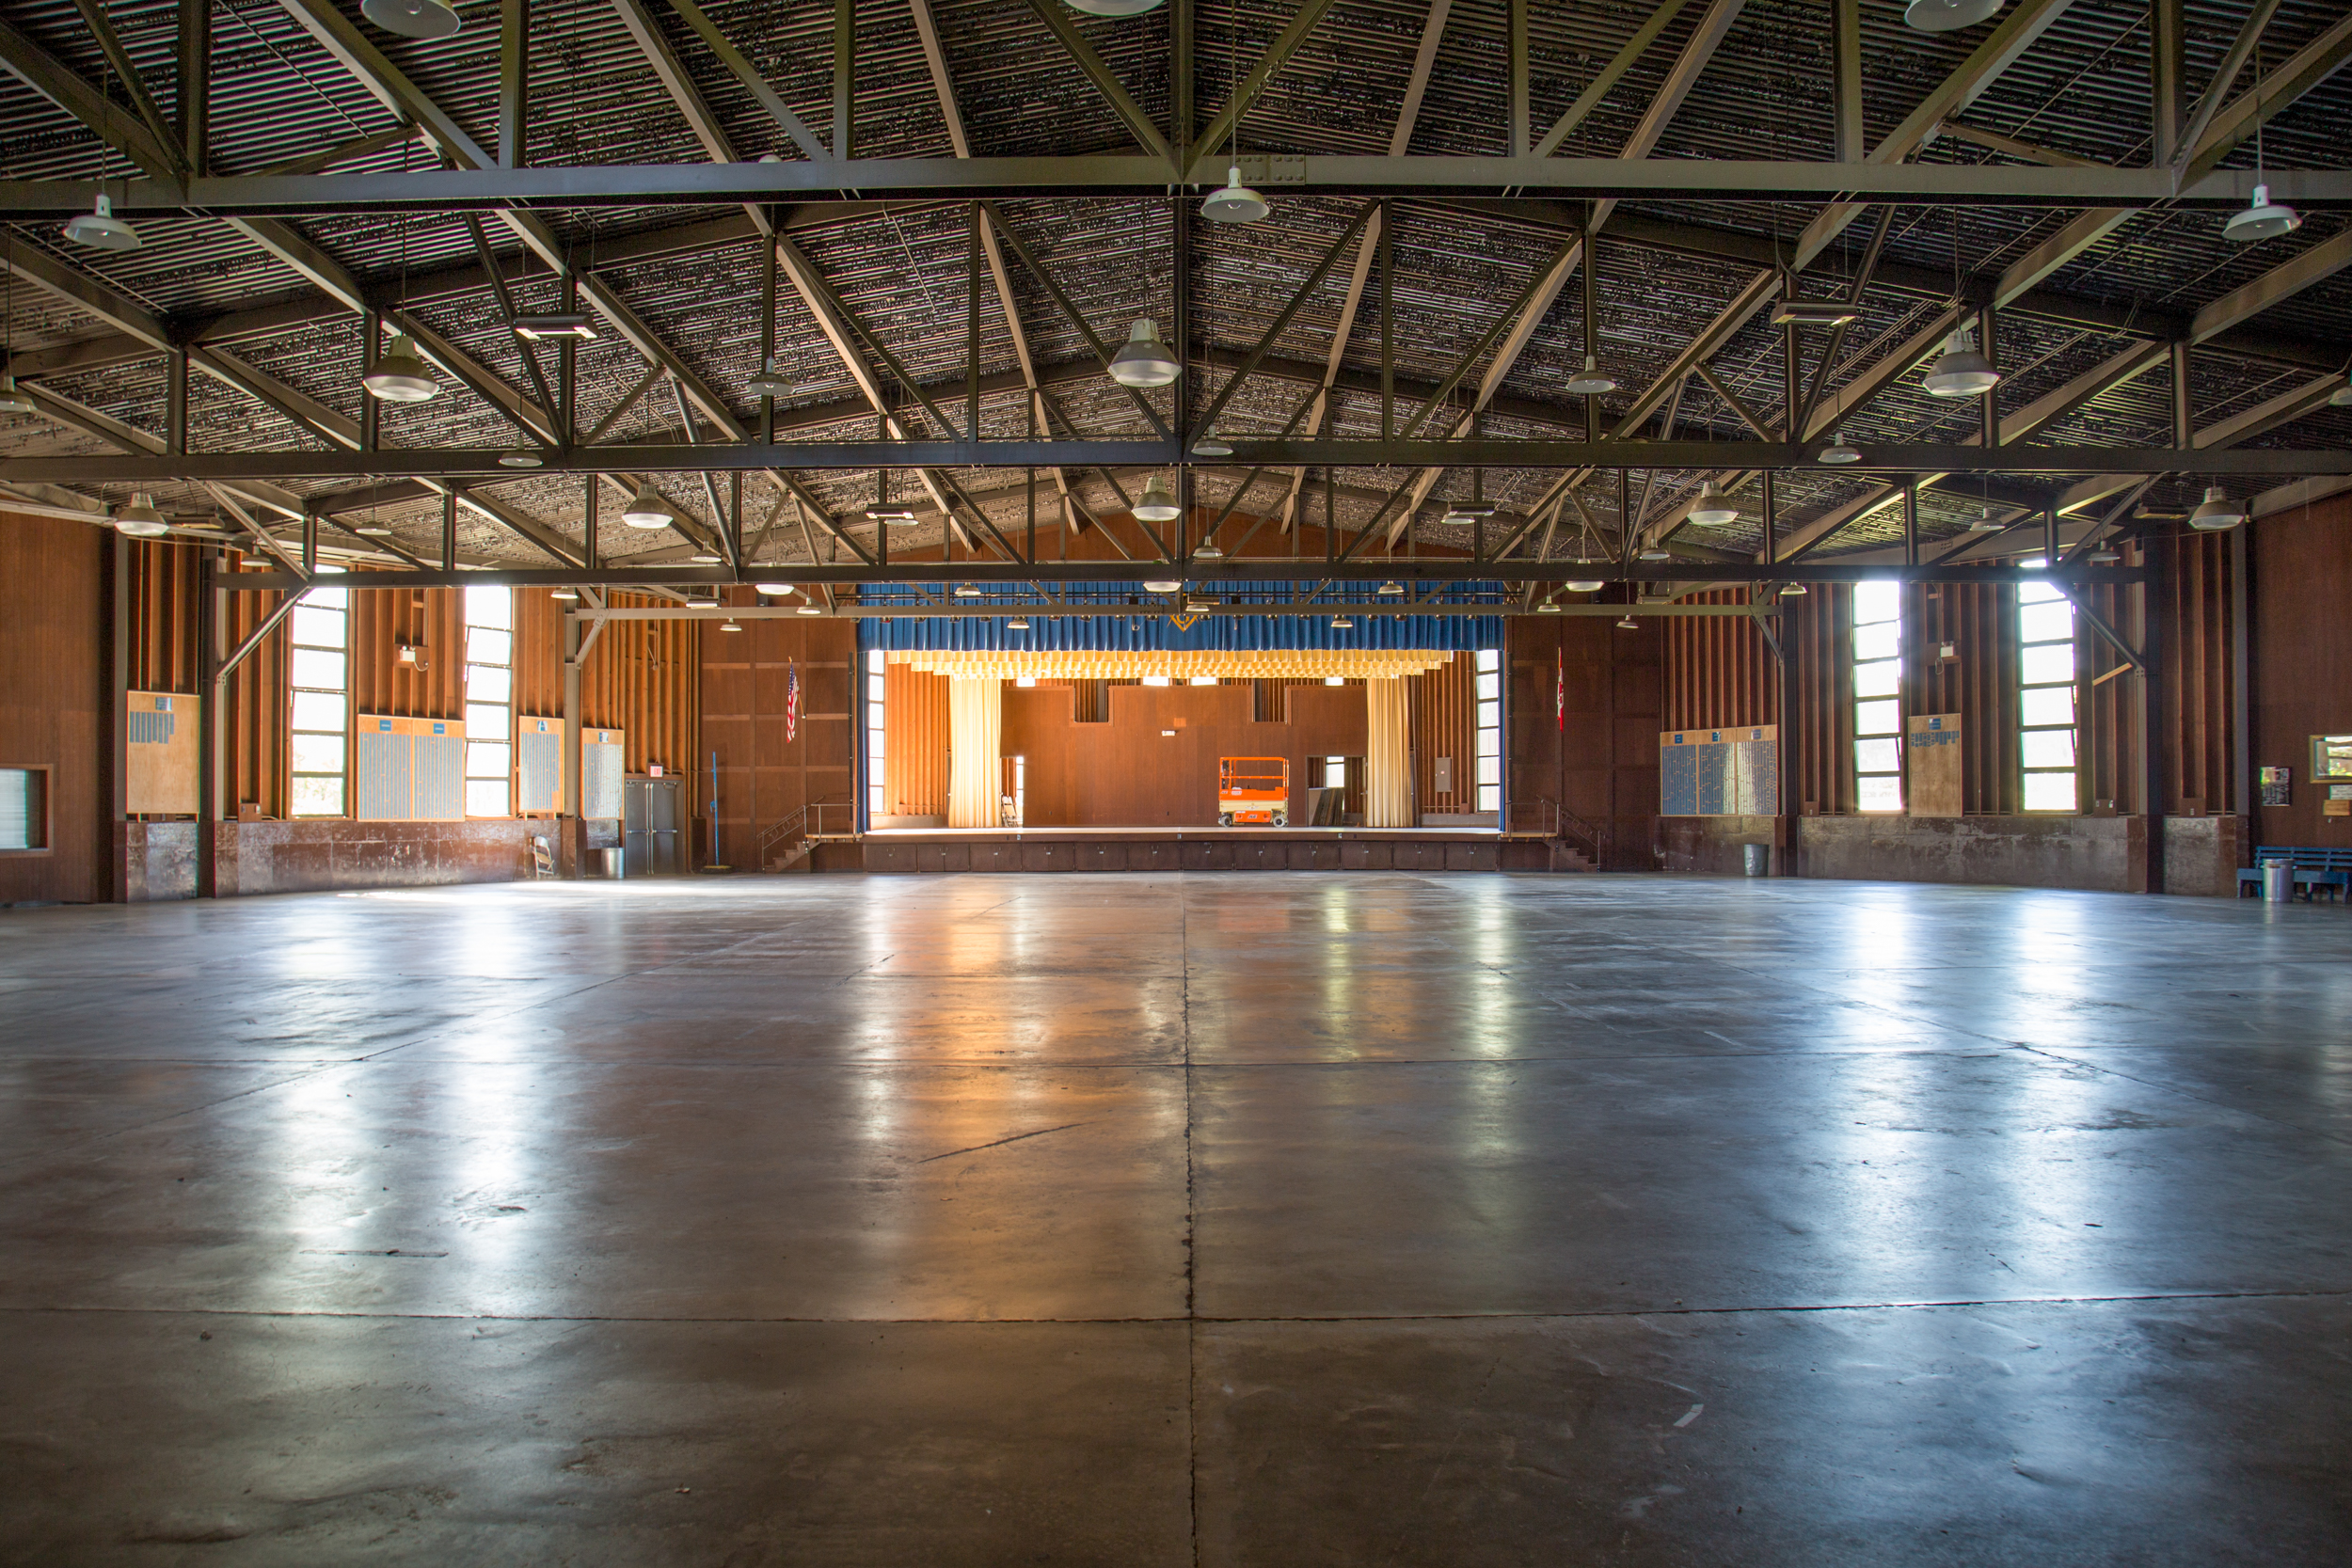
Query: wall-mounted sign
(2331,757)
(2277,786)
(1725,773)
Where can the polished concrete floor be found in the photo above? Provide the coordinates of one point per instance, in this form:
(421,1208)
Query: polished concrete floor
(1253,1220)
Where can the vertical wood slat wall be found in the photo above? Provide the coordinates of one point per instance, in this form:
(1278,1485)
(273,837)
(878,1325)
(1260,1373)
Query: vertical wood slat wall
(639,678)
(164,576)
(256,713)
(1444,709)
(1720,671)
(2198,672)
(430,620)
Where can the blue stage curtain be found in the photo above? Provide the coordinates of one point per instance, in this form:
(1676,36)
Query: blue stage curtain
(1155,630)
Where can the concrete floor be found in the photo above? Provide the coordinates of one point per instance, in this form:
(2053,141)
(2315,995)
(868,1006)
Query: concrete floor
(1261,1219)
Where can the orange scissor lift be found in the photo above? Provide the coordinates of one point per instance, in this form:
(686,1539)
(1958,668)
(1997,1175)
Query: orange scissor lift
(1253,791)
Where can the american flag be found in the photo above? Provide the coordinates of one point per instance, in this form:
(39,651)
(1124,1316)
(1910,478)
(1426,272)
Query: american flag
(792,703)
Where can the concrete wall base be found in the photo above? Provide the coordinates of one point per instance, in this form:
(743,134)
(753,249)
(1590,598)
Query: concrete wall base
(2104,854)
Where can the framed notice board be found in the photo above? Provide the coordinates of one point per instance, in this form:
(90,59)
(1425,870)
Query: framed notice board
(1931,758)
(160,754)
(1730,772)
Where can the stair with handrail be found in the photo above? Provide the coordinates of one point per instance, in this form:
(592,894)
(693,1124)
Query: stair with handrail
(789,841)
(1576,844)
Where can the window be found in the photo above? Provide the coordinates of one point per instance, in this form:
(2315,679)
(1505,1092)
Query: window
(1206,680)
(1155,680)
(489,702)
(1487,665)
(2045,697)
(23,808)
(1878,705)
(875,666)
(319,679)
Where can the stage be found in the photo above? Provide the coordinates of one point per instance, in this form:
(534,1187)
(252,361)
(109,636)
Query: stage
(1036,850)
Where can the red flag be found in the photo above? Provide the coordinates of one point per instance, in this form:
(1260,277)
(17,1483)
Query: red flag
(1560,688)
(792,703)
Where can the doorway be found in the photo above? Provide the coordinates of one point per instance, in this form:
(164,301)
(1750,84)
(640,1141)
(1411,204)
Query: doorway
(651,842)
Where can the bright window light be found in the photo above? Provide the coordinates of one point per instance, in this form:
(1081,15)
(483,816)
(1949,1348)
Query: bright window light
(489,702)
(876,783)
(2047,696)
(319,674)
(1878,684)
(1487,676)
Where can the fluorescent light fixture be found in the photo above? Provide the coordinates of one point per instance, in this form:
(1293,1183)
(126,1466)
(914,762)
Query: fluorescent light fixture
(100,230)
(1143,360)
(563,325)
(401,375)
(1815,313)
(888,514)
(412,19)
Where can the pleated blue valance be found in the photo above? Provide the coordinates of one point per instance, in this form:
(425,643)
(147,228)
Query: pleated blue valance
(1097,628)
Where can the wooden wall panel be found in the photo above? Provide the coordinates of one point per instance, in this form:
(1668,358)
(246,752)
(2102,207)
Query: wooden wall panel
(1719,673)
(915,742)
(161,634)
(1444,711)
(430,620)
(2300,581)
(742,679)
(56,698)
(640,677)
(255,711)
(1599,761)
(539,653)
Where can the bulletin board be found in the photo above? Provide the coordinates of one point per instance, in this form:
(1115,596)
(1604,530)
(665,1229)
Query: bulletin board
(1932,755)
(407,769)
(538,766)
(160,754)
(1733,772)
(602,764)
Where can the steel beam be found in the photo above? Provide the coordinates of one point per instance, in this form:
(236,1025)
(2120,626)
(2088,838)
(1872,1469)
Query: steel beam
(1303,22)
(1130,114)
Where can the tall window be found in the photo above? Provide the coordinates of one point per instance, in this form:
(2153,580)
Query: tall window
(1488,678)
(2045,698)
(874,781)
(320,675)
(489,702)
(1878,707)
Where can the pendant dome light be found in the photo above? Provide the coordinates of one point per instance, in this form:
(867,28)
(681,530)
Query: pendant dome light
(810,610)
(1342,622)
(771,382)
(1984,522)
(100,230)
(1792,590)
(1158,502)
(1143,360)
(773,590)
(412,19)
(1582,585)
(140,520)
(1590,382)
(1208,551)
(1655,552)
(1547,607)
(1114,7)
(1838,452)
(401,375)
(647,510)
(2263,219)
(2342,396)
(1629,624)
(1235,202)
(1212,445)
(1162,585)
(1949,16)
(12,400)
(1390,589)
(2217,512)
(521,457)
(1711,510)
(1961,371)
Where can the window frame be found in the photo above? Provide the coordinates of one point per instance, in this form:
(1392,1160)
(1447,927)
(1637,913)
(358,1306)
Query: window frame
(1486,730)
(296,687)
(2047,593)
(467,627)
(873,754)
(44,811)
(1856,700)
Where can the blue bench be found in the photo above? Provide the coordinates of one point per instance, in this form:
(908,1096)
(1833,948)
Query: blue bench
(2314,869)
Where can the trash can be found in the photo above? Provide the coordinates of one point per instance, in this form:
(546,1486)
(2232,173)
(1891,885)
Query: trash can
(2277,881)
(608,864)
(1759,859)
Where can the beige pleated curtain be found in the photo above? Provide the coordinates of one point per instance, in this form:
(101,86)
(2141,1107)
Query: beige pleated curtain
(975,729)
(1387,768)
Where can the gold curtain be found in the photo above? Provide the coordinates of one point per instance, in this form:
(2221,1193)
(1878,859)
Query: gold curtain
(975,727)
(1387,767)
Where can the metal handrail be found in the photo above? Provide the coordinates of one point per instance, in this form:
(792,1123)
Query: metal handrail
(1560,823)
(797,826)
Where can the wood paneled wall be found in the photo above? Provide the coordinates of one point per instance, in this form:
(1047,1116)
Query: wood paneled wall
(763,777)
(2300,581)
(56,703)
(2199,660)
(1443,706)
(916,741)
(432,621)
(163,576)
(256,713)
(1600,760)
(1720,671)
(643,678)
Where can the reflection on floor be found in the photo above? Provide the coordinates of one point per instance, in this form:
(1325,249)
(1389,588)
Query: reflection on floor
(1140,1220)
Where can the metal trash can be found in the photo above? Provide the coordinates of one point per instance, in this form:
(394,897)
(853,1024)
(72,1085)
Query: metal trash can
(1759,859)
(608,864)
(2278,882)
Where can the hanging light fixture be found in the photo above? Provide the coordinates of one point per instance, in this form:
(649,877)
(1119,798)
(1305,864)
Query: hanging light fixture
(1654,551)
(2340,398)
(704,560)
(570,595)
(810,610)
(773,590)
(2105,555)
(1199,606)
(1143,360)
(647,510)
(771,382)
(1019,622)
(1390,589)
(1162,585)
(1157,503)
(12,400)
(1235,203)
(1949,16)
(1114,7)
(519,458)
(1961,371)
(1711,510)
(1629,624)
(100,230)
(412,19)
(967,591)
(1212,445)
(1590,382)
(1838,452)
(730,624)
(539,328)
(2217,512)
(1582,585)
(2263,219)
(401,375)
(1208,551)
(1342,622)
(1465,512)
(140,520)
(1791,589)
(1984,522)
